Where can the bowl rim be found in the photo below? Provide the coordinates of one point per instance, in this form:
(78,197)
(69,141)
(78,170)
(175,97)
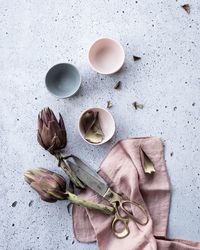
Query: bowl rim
(76,89)
(79,123)
(119,45)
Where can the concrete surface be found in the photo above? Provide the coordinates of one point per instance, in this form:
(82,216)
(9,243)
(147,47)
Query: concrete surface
(38,34)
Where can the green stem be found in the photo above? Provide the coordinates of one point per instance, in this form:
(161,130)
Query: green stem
(69,171)
(89,204)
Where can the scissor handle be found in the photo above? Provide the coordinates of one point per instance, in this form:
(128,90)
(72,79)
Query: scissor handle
(123,203)
(124,220)
(118,202)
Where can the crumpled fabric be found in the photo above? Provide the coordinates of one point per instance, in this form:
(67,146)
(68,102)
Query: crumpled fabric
(123,170)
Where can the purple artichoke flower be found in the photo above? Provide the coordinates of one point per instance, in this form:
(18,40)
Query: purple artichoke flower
(52,187)
(51,134)
(49,185)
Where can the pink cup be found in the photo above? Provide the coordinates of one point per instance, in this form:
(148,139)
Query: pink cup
(106,56)
(106,121)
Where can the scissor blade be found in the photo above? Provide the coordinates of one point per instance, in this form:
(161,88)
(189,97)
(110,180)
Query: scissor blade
(88,175)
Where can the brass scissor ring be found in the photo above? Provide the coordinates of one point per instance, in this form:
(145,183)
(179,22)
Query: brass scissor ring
(120,234)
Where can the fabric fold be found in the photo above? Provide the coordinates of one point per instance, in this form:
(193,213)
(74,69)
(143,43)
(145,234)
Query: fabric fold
(123,170)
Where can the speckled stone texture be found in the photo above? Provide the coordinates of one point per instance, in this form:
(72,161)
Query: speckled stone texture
(37,34)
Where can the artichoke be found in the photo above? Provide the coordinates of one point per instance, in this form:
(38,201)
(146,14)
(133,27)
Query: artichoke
(51,134)
(49,185)
(52,187)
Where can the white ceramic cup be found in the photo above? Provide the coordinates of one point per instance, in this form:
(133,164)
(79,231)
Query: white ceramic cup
(106,56)
(106,121)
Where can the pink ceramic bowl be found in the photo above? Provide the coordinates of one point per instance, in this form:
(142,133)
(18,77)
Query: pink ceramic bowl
(106,56)
(107,124)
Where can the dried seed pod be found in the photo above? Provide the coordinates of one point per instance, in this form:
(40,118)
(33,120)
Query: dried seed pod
(137,105)
(136,58)
(117,85)
(109,104)
(186,7)
(88,120)
(148,165)
(91,125)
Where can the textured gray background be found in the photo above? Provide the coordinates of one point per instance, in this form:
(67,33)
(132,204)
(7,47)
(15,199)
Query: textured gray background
(37,34)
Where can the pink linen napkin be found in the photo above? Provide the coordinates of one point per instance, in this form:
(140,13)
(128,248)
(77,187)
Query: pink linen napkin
(124,172)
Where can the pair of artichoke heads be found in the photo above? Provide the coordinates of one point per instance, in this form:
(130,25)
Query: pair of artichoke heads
(52,137)
(49,185)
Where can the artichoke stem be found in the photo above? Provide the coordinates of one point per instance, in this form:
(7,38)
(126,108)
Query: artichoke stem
(88,204)
(69,171)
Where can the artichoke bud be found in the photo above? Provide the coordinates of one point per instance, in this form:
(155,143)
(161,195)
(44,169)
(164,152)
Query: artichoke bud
(51,134)
(49,185)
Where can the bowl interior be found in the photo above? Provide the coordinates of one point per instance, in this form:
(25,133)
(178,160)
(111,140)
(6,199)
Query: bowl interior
(63,80)
(106,122)
(106,56)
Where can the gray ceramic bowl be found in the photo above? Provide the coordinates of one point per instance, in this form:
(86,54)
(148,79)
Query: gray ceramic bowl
(63,80)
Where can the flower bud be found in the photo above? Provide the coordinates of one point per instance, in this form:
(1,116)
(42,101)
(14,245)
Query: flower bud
(51,132)
(49,185)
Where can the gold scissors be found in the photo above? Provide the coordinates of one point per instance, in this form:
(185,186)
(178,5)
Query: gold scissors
(123,208)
